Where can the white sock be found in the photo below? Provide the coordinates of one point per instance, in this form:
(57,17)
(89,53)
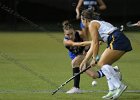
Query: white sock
(111,85)
(111,76)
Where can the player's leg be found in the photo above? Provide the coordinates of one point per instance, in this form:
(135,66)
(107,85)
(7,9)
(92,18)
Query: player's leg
(119,44)
(90,72)
(75,67)
(108,57)
(99,73)
(95,74)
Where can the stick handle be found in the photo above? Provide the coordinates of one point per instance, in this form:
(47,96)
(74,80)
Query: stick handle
(70,80)
(129,24)
(135,24)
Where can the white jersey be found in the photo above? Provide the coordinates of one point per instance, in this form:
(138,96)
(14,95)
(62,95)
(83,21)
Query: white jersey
(105,29)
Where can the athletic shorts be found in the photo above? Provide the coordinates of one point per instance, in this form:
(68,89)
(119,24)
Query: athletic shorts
(72,55)
(118,41)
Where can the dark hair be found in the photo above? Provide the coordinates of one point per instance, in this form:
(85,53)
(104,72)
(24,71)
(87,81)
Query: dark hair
(90,14)
(67,25)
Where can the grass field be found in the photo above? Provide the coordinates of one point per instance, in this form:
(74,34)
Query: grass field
(33,64)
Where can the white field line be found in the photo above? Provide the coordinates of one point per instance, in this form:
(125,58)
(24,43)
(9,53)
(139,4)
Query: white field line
(50,91)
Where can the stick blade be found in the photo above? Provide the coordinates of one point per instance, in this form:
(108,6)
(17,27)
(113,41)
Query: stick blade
(129,24)
(54,92)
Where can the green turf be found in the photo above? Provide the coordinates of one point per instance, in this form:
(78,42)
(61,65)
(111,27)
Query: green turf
(34,64)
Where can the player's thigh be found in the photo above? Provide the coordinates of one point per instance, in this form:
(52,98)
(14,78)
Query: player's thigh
(110,56)
(77,60)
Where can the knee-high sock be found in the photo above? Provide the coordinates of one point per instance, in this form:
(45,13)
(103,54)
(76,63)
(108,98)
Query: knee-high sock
(111,85)
(76,79)
(111,75)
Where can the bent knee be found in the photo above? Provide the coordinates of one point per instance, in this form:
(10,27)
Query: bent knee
(92,75)
(75,64)
(100,63)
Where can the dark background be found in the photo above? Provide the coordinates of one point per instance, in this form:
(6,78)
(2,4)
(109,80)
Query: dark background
(20,14)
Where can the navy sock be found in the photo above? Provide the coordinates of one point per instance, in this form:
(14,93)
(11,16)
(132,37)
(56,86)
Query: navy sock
(100,73)
(76,79)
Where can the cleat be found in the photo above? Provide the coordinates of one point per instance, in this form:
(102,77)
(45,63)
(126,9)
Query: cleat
(119,91)
(109,95)
(74,90)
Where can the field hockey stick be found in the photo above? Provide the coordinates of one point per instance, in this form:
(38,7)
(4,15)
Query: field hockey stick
(70,80)
(129,24)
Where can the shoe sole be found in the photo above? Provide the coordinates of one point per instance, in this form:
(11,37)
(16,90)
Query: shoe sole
(74,93)
(120,93)
(106,98)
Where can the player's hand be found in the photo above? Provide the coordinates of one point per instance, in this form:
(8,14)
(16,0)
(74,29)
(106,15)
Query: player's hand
(77,16)
(93,62)
(83,66)
(138,23)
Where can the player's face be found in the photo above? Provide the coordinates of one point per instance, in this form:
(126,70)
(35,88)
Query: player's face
(69,33)
(84,21)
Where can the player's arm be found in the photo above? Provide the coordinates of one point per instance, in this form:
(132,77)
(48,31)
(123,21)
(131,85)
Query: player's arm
(138,23)
(78,8)
(85,43)
(102,5)
(93,28)
(94,48)
(71,43)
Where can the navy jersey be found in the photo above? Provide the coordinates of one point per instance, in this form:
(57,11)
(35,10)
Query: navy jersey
(88,4)
(75,50)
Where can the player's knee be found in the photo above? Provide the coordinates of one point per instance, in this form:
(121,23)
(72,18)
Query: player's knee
(74,64)
(94,76)
(77,61)
(100,63)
